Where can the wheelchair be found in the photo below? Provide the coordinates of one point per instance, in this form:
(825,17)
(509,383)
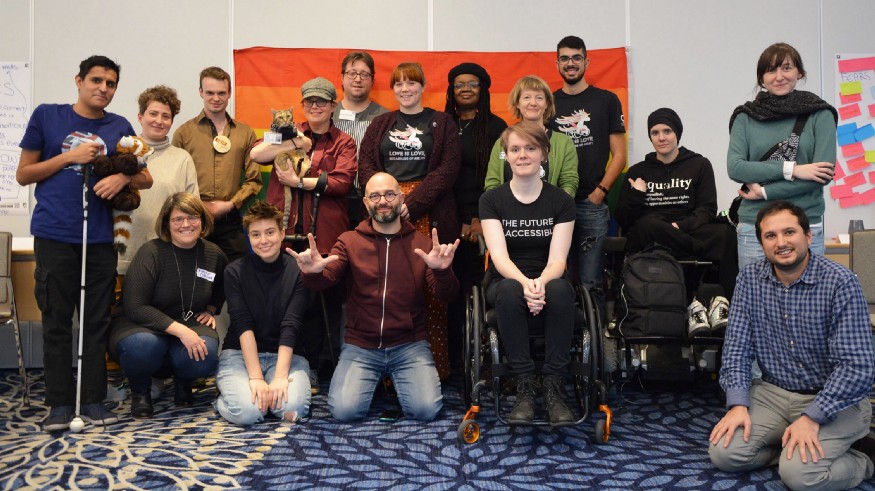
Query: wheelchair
(485,367)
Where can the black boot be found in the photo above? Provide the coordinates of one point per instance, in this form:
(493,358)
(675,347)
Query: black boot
(182,395)
(554,392)
(523,411)
(141,405)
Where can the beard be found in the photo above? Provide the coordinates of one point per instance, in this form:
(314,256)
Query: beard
(571,80)
(393,215)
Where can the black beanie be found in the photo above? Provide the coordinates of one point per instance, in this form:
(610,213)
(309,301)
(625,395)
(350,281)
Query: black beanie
(667,117)
(470,69)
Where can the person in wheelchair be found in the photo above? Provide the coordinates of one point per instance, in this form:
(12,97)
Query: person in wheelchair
(528,224)
(670,199)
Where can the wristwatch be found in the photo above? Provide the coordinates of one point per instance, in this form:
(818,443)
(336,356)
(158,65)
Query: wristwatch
(301,183)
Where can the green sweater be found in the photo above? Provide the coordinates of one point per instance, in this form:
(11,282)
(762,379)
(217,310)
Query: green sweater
(562,165)
(750,139)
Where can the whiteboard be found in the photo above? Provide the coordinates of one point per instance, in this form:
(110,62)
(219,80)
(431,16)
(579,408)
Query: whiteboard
(15,108)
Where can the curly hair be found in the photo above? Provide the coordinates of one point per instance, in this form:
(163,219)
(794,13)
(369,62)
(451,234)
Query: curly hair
(160,93)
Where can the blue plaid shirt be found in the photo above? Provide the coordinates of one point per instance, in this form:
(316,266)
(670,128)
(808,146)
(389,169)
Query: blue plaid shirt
(811,337)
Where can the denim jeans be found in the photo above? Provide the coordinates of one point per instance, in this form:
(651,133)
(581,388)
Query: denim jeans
(750,250)
(590,229)
(359,370)
(144,354)
(235,399)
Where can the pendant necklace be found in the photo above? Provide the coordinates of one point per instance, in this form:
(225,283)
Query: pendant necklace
(185,315)
(463,128)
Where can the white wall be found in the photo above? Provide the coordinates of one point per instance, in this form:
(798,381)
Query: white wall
(696,56)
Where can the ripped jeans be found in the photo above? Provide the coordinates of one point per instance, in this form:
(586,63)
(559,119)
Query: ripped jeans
(587,247)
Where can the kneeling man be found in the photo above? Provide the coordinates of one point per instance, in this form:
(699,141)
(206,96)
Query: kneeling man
(804,320)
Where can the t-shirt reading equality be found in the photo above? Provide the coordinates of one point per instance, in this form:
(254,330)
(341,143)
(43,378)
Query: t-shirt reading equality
(406,147)
(528,228)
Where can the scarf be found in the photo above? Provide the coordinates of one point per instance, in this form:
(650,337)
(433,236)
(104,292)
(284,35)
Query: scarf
(768,107)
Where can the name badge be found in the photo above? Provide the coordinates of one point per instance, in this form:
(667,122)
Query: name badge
(347,115)
(222,144)
(202,273)
(273,138)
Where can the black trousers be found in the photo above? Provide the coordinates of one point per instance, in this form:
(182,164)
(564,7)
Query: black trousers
(58,278)
(515,322)
(228,235)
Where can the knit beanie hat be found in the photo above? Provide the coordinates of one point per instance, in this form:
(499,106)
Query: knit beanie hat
(319,87)
(667,117)
(470,69)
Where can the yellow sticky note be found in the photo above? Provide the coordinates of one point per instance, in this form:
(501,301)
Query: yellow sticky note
(851,88)
(870,155)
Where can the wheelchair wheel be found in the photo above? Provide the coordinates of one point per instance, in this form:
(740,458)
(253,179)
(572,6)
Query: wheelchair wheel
(600,435)
(471,346)
(468,431)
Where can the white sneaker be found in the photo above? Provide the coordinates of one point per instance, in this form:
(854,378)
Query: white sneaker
(718,314)
(697,319)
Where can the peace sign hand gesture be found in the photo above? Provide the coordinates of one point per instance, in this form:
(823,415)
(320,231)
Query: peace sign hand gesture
(441,255)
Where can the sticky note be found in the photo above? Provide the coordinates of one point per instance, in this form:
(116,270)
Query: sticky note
(850,201)
(857,64)
(845,139)
(872,110)
(847,99)
(848,88)
(865,132)
(839,173)
(868,197)
(870,156)
(853,150)
(848,112)
(840,191)
(847,127)
(855,179)
(857,163)
(872,177)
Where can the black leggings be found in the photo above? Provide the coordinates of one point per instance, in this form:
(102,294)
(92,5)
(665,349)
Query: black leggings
(515,322)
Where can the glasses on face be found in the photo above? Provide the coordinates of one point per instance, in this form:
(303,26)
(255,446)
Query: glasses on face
(389,195)
(352,74)
(785,68)
(192,220)
(565,59)
(308,103)
(461,85)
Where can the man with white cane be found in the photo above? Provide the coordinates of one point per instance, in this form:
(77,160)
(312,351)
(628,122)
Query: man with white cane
(61,140)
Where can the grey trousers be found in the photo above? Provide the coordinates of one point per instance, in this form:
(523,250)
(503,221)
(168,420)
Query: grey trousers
(772,410)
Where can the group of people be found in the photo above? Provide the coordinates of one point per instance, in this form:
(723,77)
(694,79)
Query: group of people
(433,184)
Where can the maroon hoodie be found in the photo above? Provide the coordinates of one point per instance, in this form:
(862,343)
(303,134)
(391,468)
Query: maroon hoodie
(385,285)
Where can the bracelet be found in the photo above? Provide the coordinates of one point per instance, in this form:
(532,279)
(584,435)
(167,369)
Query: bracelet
(604,189)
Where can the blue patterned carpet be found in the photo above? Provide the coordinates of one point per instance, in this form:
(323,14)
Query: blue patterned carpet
(658,442)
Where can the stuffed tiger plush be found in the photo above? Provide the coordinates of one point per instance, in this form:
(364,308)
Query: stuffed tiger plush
(284,123)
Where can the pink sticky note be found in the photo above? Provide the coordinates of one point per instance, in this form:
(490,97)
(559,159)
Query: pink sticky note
(868,197)
(857,163)
(872,177)
(850,201)
(872,110)
(848,112)
(837,191)
(853,150)
(856,65)
(847,99)
(839,173)
(855,179)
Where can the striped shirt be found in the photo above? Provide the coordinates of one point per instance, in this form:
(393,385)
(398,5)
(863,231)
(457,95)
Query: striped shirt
(812,336)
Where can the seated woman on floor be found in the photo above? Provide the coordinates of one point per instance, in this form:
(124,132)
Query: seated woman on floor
(258,369)
(671,200)
(173,289)
(527,224)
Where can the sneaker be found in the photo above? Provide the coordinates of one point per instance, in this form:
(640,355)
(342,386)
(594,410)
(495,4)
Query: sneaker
(523,411)
(95,413)
(558,412)
(718,314)
(314,382)
(59,418)
(697,319)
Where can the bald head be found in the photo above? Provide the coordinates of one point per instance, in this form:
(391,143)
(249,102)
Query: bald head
(382,182)
(383,200)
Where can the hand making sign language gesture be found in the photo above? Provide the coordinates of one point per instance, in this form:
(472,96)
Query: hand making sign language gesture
(441,255)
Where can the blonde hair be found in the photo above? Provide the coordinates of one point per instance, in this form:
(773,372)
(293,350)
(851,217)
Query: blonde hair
(531,82)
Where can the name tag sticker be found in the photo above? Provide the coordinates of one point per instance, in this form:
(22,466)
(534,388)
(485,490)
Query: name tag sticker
(202,273)
(273,138)
(347,115)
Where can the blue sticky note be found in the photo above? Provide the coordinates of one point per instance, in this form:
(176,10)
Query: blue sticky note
(846,128)
(845,139)
(865,132)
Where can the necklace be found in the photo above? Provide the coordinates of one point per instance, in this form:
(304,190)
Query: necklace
(463,128)
(185,315)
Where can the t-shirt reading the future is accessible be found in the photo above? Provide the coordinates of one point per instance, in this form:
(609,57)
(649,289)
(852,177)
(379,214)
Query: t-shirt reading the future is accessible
(406,147)
(528,228)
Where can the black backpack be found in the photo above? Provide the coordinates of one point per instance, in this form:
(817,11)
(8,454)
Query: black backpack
(653,296)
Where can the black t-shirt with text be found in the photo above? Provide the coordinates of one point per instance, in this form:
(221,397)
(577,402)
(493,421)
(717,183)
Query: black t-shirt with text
(405,149)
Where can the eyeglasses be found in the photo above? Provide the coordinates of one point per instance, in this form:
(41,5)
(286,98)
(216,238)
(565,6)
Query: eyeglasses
(352,74)
(461,85)
(192,220)
(308,103)
(565,59)
(390,196)
(785,68)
